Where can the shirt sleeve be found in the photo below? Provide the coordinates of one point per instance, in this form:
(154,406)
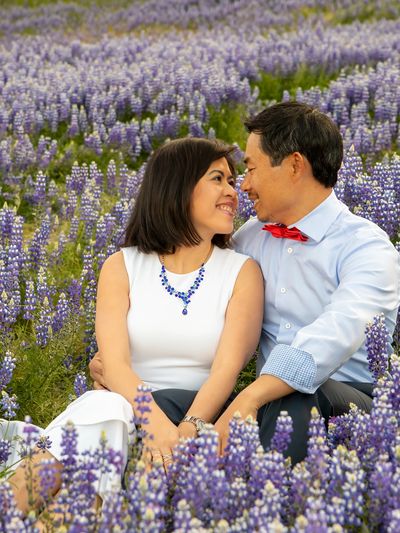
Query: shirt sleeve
(369,275)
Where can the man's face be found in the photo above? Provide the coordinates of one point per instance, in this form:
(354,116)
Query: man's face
(269,187)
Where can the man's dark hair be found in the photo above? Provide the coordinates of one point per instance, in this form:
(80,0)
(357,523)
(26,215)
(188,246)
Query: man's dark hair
(290,127)
(161,219)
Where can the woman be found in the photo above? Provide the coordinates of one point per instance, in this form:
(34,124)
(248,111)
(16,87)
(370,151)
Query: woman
(176,309)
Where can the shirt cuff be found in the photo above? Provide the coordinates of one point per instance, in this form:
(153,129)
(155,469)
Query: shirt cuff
(293,366)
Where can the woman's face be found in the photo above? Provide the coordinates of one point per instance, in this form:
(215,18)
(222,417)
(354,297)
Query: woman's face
(214,201)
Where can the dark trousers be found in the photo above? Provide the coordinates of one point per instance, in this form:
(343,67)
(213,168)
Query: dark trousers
(333,398)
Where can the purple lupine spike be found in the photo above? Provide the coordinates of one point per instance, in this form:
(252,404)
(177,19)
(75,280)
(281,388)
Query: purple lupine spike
(317,459)
(234,461)
(43,326)
(346,489)
(39,195)
(8,405)
(7,367)
(394,524)
(123,180)
(11,518)
(101,235)
(283,431)
(379,489)
(30,301)
(182,516)
(268,466)
(72,203)
(248,439)
(47,474)
(80,384)
(96,174)
(382,425)
(300,483)
(236,500)
(265,510)
(114,514)
(315,515)
(61,314)
(73,128)
(69,453)
(73,229)
(5,451)
(394,394)
(377,338)
(111,177)
(56,255)
(82,491)
(30,439)
(74,294)
(7,217)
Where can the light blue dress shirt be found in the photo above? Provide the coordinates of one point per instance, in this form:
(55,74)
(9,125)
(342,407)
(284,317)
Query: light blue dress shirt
(320,294)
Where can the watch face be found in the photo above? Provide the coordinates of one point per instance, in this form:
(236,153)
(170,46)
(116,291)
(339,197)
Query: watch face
(200,425)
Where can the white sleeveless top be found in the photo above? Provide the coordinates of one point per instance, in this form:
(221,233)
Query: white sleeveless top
(169,349)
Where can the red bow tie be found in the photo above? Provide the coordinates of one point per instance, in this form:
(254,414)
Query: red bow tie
(280,231)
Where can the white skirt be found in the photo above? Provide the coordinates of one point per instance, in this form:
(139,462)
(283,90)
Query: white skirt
(93,414)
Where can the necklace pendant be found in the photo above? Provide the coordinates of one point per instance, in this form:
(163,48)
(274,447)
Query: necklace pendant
(182,295)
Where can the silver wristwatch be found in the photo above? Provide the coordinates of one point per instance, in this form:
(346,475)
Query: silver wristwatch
(198,423)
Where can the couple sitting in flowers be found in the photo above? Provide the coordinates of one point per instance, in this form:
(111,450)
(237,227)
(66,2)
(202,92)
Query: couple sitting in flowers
(179,310)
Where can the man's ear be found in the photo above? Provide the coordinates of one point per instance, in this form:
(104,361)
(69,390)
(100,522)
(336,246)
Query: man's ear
(297,165)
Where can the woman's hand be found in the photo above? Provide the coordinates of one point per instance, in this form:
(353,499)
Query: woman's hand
(96,372)
(163,437)
(187,430)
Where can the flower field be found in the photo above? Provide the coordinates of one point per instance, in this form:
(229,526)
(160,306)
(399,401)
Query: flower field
(87,91)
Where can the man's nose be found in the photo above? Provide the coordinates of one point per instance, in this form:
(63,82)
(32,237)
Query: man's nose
(244,186)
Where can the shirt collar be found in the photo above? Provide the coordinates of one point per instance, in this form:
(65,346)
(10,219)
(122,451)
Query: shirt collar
(316,223)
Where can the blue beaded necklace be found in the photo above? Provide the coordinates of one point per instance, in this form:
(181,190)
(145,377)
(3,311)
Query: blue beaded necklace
(183,295)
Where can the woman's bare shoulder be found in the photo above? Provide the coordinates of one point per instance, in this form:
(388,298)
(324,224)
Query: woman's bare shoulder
(114,267)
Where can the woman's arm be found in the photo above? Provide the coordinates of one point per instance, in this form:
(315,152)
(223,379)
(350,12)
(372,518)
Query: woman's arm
(238,342)
(111,329)
(113,342)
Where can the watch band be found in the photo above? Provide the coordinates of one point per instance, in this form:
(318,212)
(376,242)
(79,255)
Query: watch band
(198,423)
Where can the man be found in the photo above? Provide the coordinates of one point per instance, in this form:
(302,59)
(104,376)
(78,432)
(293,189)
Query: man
(325,278)
(327,274)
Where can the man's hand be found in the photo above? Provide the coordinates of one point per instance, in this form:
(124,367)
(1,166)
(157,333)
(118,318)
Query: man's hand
(245,405)
(96,372)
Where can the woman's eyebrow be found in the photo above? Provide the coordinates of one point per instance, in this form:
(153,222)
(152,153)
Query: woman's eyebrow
(215,170)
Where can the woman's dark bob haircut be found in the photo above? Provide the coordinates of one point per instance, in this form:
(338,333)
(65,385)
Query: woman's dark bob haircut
(161,220)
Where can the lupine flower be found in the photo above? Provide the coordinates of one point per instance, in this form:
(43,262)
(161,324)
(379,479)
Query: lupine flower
(80,384)
(5,450)
(7,366)
(283,431)
(346,489)
(8,405)
(61,313)
(43,326)
(377,346)
(11,518)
